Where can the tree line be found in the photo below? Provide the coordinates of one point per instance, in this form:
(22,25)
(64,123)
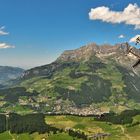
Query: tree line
(31,123)
(125,117)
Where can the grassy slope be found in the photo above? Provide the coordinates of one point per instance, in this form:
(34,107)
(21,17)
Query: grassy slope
(42,84)
(90,126)
(106,86)
(35,136)
(96,77)
(85,124)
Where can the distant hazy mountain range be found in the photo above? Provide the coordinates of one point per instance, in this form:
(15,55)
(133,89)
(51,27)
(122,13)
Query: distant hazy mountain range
(9,73)
(89,80)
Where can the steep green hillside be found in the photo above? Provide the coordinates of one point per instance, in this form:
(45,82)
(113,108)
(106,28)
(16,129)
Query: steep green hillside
(89,80)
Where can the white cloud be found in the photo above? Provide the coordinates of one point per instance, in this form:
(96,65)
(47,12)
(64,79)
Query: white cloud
(5,46)
(133,39)
(130,15)
(121,36)
(2,32)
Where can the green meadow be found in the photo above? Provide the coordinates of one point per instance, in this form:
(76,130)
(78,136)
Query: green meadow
(88,125)
(35,136)
(91,127)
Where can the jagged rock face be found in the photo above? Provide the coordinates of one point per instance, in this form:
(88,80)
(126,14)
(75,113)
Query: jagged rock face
(115,52)
(79,54)
(85,52)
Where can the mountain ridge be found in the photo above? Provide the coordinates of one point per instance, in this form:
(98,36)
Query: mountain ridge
(84,53)
(94,81)
(89,50)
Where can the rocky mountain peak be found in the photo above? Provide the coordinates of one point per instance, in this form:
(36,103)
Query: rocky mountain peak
(72,57)
(85,52)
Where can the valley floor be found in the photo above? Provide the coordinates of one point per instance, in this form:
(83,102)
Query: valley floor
(92,127)
(88,125)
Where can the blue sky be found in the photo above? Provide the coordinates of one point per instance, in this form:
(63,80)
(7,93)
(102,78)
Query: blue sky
(38,31)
